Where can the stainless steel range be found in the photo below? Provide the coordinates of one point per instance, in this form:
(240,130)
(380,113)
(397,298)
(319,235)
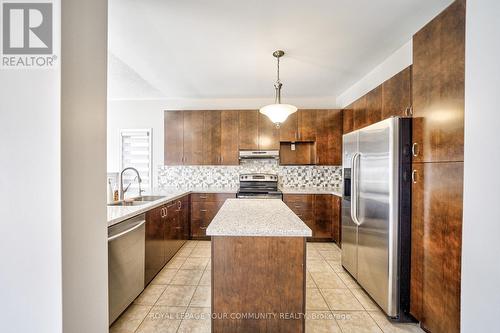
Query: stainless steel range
(259,186)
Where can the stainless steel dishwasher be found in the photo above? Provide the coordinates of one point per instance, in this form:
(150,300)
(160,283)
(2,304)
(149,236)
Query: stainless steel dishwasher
(126,242)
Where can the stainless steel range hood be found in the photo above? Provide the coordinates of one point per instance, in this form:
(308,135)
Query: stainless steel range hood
(259,154)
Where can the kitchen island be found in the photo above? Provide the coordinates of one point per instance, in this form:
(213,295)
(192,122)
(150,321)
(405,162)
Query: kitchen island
(258,267)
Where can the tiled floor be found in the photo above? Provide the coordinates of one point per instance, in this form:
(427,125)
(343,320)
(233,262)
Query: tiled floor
(178,299)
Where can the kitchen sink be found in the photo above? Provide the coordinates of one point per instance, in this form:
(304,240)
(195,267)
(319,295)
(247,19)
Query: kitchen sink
(137,201)
(148,198)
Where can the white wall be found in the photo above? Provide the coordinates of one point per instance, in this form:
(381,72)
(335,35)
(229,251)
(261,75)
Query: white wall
(30,206)
(481,225)
(83,160)
(396,62)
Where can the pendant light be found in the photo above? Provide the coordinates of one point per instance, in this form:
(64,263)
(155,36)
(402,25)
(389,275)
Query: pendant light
(278,112)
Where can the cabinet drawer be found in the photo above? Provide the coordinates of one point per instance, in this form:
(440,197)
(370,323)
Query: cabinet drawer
(198,228)
(211,197)
(204,211)
(301,203)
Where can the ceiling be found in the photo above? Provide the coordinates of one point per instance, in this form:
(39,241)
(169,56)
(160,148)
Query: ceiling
(221,49)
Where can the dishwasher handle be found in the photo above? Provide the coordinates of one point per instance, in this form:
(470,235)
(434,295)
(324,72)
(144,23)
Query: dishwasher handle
(123,233)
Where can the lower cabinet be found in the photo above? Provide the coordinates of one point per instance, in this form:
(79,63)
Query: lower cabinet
(204,207)
(167,228)
(321,213)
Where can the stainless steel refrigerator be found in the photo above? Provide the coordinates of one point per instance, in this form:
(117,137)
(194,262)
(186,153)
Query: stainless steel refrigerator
(376,212)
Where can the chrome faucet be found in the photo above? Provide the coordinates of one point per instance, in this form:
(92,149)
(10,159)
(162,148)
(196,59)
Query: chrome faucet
(123,190)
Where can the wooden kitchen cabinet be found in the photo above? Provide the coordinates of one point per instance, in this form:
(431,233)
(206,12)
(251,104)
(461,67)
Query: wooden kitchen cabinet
(438,87)
(323,219)
(360,118)
(211,137)
(436,245)
(204,207)
(307,124)
(269,134)
(289,129)
(396,95)
(249,129)
(337,219)
(174,137)
(329,137)
(193,137)
(348,119)
(229,131)
(154,242)
(374,106)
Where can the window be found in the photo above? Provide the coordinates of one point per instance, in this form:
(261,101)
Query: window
(136,152)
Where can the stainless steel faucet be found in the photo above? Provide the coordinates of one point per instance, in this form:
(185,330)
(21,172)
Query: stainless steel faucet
(123,190)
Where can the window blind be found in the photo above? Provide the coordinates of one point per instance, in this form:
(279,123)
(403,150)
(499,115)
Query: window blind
(136,152)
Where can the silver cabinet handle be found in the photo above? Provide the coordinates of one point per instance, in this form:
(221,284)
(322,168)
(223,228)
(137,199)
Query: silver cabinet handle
(126,231)
(409,111)
(414,176)
(414,149)
(203,210)
(203,196)
(179,205)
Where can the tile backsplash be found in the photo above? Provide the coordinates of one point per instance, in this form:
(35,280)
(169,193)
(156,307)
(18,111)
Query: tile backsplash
(227,176)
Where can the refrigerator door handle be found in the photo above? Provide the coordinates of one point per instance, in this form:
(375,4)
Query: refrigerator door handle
(354,188)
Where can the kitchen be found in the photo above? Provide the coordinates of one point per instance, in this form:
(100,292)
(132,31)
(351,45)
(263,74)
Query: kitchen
(304,175)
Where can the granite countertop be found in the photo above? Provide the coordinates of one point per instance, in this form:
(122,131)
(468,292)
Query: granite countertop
(312,190)
(257,217)
(117,214)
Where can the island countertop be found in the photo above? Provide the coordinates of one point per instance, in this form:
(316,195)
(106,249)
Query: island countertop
(257,217)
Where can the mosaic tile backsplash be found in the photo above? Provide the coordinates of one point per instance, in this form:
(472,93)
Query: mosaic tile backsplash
(227,176)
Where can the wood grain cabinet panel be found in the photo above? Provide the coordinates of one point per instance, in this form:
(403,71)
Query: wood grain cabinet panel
(229,137)
(307,123)
(396,94)
(348,119)
(211,137)
(374,106)
(193,137)
(204,207)
(438,86)
(174,137)
(269,135)
(436,245)
(329,137)
(289,129)
(360,118)
(249,129)
(154,243)
(336,219)
(323,219)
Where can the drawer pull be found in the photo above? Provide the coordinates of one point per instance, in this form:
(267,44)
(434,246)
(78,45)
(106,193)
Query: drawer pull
(203,228)
(414,149)
(203,210)
(203,197)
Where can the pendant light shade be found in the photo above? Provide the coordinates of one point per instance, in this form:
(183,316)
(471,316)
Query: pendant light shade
(278,112)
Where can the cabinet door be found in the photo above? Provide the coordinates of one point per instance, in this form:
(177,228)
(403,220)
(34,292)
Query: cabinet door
(307,125)
(360,118)
(269,135)
(374,106)
(396,94)
(193,137)
(289,129)
(323,219)
(173,137)
(154,245)
(337,230)
(249,129)
(438,87)
(348,119)
(229,138)
(329,137)
(212,137)
(436,245)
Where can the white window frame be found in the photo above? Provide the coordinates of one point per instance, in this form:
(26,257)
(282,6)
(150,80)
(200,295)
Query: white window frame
(150,136)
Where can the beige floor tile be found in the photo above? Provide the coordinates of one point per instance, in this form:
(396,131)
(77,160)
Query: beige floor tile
(364,299)
(195,263)
(150,295)
(197,320)
(356,322)
(314,300)
(341,299)
(201,252)
(389,327)
(204,244)
(313,254)
(206,278)
(130,319)
(328,280)
(209,265)
(202,297)
(336,265)
(330,255)
(162,319)
(318,265)
(190,243)
(348,280)
(176,295)
(165,276)
(175,262)
(322,246)
(184,252)
(310,282)
(187,277)
(321,322)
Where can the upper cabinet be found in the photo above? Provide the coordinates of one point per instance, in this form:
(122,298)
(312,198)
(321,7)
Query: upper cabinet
(211,137)
(373,108)
(438,87)
(348,119)
(396,94)
(307,125)
(193,137)
(269,135)
(329,137)
(249,129)
(289,130)
(229,131)
(360,119)
(174,137)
